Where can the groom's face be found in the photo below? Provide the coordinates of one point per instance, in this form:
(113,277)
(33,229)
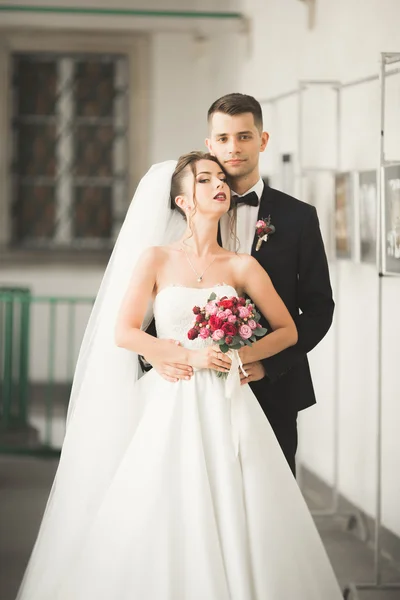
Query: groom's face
(237,143)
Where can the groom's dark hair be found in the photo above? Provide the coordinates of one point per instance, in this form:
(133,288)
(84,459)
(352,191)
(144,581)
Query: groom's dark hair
(237,104)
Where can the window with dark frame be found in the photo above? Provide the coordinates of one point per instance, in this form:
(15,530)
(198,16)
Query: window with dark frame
(69,155)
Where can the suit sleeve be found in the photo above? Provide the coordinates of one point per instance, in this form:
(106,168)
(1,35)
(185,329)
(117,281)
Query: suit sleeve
(314,300)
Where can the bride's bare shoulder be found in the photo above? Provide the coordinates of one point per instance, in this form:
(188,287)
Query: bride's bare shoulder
(157,254)
(243,263)
(243,260)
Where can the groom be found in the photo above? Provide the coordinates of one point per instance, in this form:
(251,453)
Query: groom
(293,256)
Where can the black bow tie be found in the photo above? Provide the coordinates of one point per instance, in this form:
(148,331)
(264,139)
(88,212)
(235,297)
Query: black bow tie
(250,199)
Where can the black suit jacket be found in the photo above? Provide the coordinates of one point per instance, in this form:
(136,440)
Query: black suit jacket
(295,259)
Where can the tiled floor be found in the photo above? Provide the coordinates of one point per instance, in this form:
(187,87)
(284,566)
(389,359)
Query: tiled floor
(25,484)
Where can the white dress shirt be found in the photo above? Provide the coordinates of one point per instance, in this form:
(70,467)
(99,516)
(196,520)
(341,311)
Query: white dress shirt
(246,222)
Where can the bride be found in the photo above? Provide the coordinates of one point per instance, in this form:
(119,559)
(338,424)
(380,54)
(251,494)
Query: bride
(174,490)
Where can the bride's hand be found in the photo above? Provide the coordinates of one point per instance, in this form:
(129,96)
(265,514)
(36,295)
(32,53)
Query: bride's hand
(172,369)
(210,358)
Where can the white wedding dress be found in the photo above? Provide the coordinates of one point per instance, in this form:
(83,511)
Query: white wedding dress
(203,505)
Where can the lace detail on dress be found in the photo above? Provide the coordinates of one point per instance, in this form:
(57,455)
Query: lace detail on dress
(173,311)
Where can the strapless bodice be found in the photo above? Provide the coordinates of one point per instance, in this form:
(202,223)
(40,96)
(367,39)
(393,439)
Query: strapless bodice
(173,311)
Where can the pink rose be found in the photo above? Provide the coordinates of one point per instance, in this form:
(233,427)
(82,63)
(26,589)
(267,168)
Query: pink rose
(219,334)
(252,324)
(232,319)
(204,333)
(245,332)
(211,308)
(243,312)
(224,314)
(260,224)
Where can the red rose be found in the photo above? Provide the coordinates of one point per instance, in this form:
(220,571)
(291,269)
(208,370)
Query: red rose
(215,323)
(242,302)
(196,310)
(228,340)
(192,333)
(226,303)
(229,329)
(260,231)
(199,319)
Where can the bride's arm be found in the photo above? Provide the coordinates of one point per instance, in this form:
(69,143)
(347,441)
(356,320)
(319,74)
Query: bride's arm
(255,281)
(128,333)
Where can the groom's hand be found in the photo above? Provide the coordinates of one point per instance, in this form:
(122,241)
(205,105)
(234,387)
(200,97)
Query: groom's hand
(170,371)
(255,371)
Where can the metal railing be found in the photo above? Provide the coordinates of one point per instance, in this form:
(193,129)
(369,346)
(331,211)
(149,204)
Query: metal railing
(39,344)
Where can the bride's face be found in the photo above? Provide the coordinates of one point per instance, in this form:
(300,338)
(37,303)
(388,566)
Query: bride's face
(207,193)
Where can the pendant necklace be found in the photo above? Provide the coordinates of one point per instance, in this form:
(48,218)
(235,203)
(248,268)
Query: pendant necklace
(198,275)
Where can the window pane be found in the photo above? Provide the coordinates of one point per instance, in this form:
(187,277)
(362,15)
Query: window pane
(34,212)
(93,212)
(36,153)
(94,150)
(36,82)
(94,85)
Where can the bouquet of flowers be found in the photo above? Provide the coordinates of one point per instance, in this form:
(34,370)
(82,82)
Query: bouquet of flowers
(230,322)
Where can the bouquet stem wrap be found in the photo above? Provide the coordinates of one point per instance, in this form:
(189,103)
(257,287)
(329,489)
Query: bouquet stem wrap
(232,384)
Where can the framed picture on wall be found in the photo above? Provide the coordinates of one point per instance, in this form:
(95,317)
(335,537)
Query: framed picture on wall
(391,221)
(344,215)
(367,183)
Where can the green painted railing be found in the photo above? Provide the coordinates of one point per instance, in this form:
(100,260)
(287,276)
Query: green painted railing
(14,349)
(20,397)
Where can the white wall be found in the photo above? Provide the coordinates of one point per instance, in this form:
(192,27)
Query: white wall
(344,45)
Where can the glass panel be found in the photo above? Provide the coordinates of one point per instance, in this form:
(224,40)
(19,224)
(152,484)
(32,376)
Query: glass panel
(94,150)
(92,213)
(36,150)
(94,86)
(36,82)
(35,212)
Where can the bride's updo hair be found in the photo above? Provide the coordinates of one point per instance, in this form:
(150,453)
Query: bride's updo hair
(187,162)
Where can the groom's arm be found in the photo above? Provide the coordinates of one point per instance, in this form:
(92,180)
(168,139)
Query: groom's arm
(314,299)
(151,330)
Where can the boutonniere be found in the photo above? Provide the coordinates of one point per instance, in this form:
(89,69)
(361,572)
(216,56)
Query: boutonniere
(264,228)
